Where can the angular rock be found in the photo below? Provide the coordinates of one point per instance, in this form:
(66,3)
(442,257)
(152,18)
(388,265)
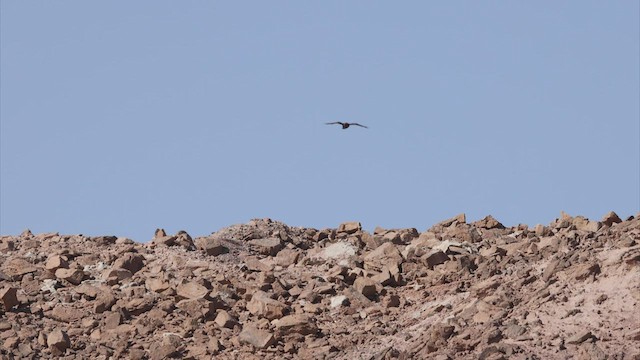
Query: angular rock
(264,306)
(74,276)
(210,246)
(225,320)
(580,337)
(489,222)
(611,218)
(268,246)
(287,257)
(104,301)
(56,262)
(350,227)
(18,267)
(366,287)
(197,308)
(58,342)
(435,257)
(9,297)
(299,324)
(130,261)
(339,300)
(192,290)
(260,339)
(384,255)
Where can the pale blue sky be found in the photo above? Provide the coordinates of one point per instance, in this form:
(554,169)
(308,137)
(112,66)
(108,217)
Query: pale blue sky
(120,117)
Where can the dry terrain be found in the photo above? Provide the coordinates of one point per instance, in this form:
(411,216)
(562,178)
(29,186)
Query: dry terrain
(265,290)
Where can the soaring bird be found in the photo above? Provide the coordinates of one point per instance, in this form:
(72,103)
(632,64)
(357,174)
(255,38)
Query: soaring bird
(346,125)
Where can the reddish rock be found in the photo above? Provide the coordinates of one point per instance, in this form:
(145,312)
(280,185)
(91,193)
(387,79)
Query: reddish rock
(269,246)
(58,342)
(298,324)
(260,339)
(211,246)
(9,298)
(56,262)
(366,287)
(192,290)
(74,276)
(350,227)
(130,261)
(225,320)
(264,306)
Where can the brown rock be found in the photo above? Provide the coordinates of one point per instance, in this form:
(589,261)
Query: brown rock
(269,246)
(384,255)
(18,267)
(458,219)
(264,306)
(580,337)
(104,300)
(58,342)
(74,276)
(192,290)
(225,320)
(435,257)
(611,218)
(298,324)
(211,246)
(9,297)
(116,275)
(260,339)
(66,313)
(130,261)
(163,351)
(197,308)
(584,271)
(489,222)
(350,227)
(553,266)
(56,262)
(156,285)
(287,257)
(366,287)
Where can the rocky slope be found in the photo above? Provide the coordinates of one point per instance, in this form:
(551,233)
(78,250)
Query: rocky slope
(264,290)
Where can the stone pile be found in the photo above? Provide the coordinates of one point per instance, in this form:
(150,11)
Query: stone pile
(264,290)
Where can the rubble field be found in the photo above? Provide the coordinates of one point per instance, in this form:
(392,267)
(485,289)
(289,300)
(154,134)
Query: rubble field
(265,290)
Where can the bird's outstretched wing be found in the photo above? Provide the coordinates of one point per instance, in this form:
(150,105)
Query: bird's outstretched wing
(356,124)
(335,122)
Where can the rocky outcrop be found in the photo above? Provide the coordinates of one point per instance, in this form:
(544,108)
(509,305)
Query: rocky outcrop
(459,290)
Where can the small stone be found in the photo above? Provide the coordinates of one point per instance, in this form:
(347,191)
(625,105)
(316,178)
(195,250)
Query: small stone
(269,246)
(297,323)
(611,218)
(339,300)
(192,290)
(74,276)
(260,339)
(56,262)
(386,254)
(58,342)
(130,261)
(262,305)
(366,287)
(350,227)
(580,337)
(225,320)
(435,257)
(9,298)
(211,246)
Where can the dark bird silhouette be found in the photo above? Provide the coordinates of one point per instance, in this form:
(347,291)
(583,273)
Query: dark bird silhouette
(345,125)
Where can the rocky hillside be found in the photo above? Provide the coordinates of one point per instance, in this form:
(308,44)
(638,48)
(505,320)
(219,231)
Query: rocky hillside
(265,290)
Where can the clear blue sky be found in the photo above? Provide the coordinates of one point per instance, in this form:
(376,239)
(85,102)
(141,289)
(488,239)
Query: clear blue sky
(118,117)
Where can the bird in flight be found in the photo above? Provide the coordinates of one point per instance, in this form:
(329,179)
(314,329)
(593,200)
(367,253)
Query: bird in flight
(345,125)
